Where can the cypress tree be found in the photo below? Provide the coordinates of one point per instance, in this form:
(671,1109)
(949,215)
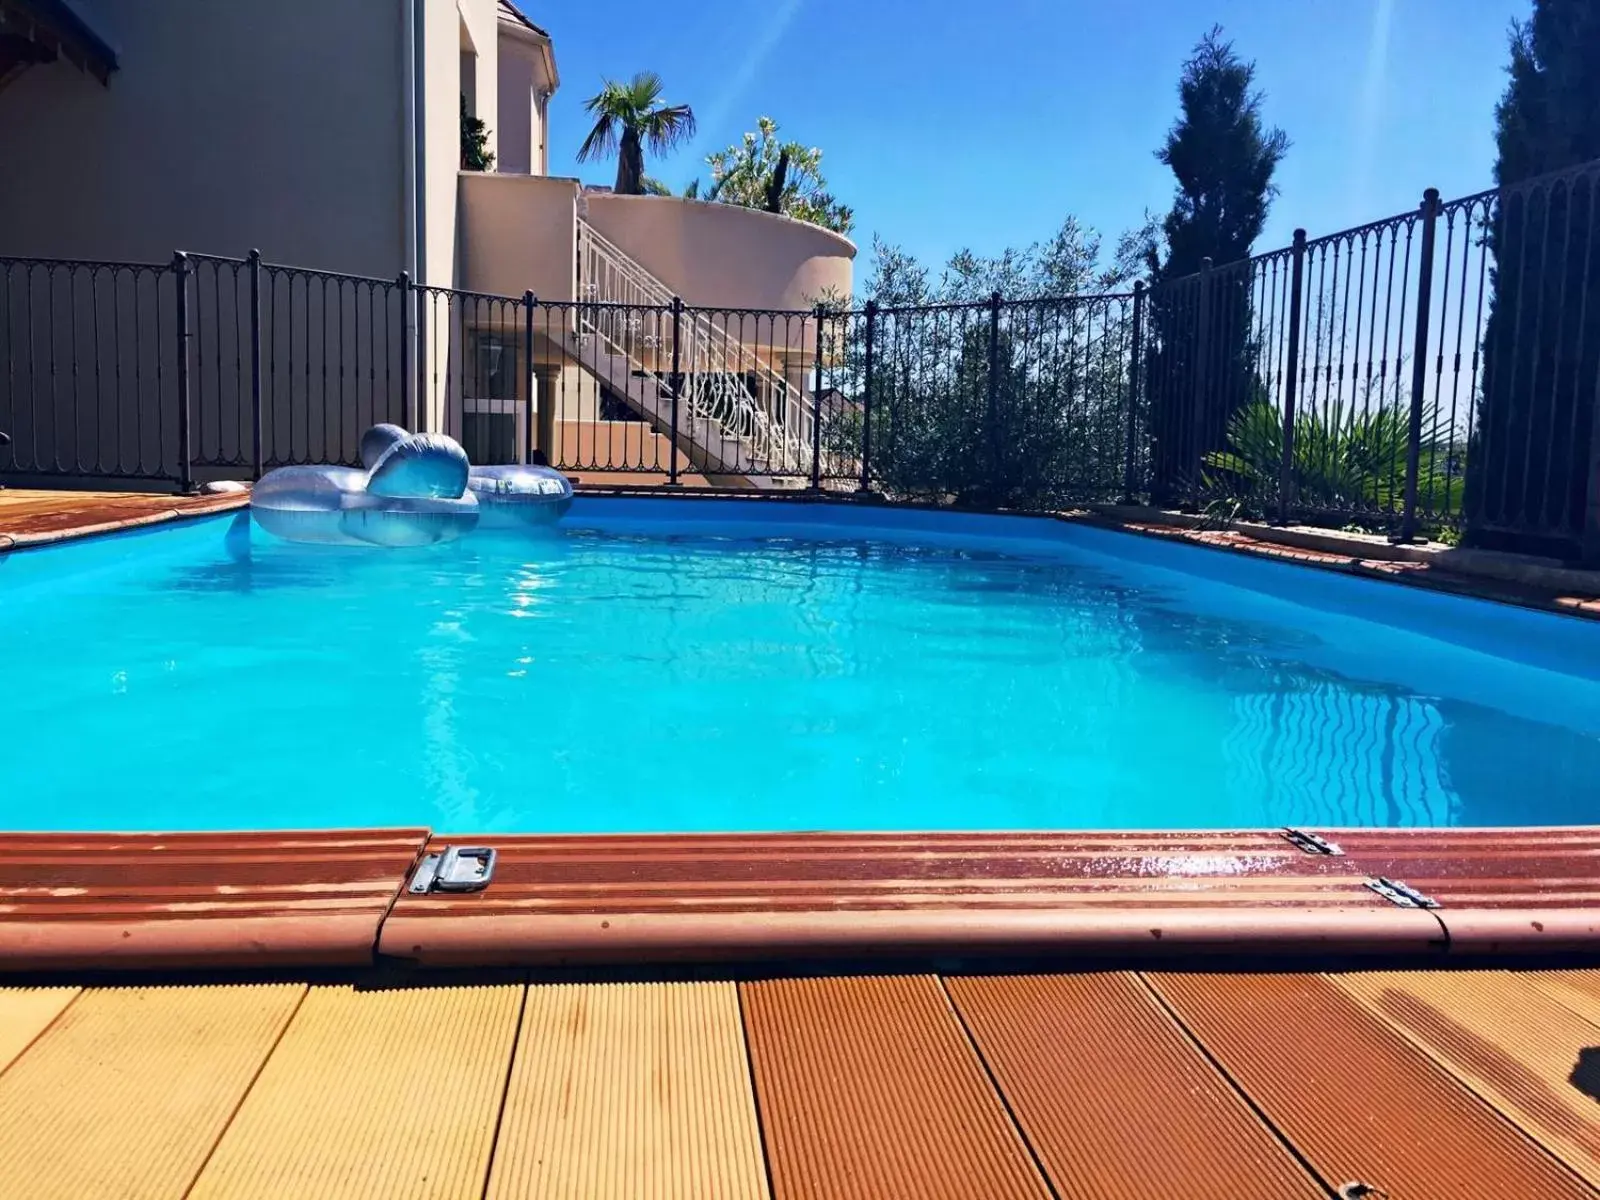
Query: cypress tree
(1223,156)
(1533,455)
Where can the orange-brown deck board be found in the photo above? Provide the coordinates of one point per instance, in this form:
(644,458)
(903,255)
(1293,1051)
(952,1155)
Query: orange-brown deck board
(76,901)
(1087,1060)
(869,1088)
(1359,1102)
(765,896)
(1514,1045)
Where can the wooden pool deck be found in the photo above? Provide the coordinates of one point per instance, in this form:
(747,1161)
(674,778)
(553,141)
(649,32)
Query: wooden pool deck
(927,1084)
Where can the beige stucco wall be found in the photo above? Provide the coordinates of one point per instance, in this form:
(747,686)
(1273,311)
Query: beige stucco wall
(449,28)
(518,131)
(480,25)
(228,126)
(722,255)
(517,234)
(526,81)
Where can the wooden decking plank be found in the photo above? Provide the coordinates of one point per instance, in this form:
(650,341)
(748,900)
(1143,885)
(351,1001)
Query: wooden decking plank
(1511,1043)
(630,1089)
(765,896)
(387,1093)
(1114,1097)
(25,1013)
(868,1087)
(1358,1102)
(79,901)
(129,1089)
(1578,990)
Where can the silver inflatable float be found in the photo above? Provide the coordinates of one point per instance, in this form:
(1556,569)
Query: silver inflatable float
(413,493)
(517,496)
(416,489)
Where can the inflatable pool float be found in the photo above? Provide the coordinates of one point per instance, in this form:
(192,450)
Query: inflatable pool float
(413,492)
(514,496)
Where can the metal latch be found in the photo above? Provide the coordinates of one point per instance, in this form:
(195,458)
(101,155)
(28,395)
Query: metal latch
(457,869)
(1402,894)
(1310,842)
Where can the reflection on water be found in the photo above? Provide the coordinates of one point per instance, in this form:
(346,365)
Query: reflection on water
(1338,757)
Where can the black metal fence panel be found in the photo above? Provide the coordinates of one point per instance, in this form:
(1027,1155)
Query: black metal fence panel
(88,364)
(1533,458)
(1437,371)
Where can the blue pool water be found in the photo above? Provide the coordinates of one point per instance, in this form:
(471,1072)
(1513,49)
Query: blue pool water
(690,665)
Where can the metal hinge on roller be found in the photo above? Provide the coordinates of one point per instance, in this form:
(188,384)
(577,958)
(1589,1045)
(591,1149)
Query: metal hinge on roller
(1400,893)
(456,869)
(1310,842)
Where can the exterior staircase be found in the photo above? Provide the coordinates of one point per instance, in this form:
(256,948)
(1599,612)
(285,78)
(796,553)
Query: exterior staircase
(739,420)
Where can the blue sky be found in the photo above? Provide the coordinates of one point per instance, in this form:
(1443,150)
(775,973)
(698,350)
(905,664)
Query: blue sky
(982,126)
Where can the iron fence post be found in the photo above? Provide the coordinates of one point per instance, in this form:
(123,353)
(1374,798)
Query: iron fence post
(1135,379)
(180,271)
(816,407)
(1419,365)
(675,383)
(404,284)
(866,400)
(257,461)
(993,388)
(1589,544)
(1202,346)
(1291,376)
(528,379)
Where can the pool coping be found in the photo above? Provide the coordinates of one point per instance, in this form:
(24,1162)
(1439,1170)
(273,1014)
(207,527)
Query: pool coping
(172,509)
(1482,575)
(130,927)
(1477,574)
(120,903)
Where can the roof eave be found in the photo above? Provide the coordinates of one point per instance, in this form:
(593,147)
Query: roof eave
(514,24)
(72,37)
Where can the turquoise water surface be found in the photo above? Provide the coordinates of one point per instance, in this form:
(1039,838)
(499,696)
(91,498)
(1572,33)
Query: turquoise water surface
(692,665)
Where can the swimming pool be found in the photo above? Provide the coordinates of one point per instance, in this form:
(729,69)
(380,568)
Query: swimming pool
(758,665)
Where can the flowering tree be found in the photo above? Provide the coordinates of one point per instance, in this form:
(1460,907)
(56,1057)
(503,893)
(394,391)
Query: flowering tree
(785,177)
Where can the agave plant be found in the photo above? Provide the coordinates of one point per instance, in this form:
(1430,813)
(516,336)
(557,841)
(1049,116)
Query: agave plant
(1344,460)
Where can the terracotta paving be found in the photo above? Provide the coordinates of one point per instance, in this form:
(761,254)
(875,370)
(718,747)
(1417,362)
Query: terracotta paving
(1416,574)
(1117,1084)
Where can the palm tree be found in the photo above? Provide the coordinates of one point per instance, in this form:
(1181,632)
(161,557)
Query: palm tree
(629,116)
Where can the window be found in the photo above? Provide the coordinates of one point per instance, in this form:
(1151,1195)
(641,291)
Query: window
(491,413)
(494,374)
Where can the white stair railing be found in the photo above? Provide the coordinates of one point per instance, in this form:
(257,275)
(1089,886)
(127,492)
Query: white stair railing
(628,309)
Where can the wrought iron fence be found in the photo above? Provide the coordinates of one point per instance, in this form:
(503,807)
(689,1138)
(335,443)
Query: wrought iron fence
(1438,370)
(1435,370)
(87,367)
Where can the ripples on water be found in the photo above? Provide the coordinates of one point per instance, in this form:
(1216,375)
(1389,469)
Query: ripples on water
(611,683)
